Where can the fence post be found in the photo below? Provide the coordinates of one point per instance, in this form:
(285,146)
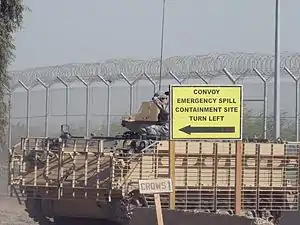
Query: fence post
(234,81)
(175,77)
(67,98)
(46,105)
(229,75)
(151,81)
(201,77)
(131,92)
(87,99)
(107,83)
(27,89)
(297,100)
(10,104)
(147,77)
(265,108)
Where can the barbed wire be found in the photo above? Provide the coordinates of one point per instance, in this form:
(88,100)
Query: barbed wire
(209,65)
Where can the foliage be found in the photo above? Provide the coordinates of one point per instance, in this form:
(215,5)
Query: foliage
(253,125)
(11,17)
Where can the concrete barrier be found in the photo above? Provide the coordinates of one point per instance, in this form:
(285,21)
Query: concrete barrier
(147,216)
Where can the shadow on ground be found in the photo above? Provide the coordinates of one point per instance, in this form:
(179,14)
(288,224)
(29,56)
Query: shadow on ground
(148,217)
(290,218)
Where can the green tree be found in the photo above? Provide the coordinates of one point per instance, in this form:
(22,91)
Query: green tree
(11,17)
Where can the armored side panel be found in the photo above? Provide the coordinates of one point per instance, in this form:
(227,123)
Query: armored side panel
(207,176)
(203,172)
(77,169)
(270,178)
(218,175)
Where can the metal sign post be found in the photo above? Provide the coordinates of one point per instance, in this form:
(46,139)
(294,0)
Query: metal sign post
(206,112)
(156,187)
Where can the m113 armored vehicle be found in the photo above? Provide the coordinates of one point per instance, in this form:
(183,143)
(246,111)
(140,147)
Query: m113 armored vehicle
(84,177)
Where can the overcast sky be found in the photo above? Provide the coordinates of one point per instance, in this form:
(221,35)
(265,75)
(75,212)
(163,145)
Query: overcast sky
(58,32)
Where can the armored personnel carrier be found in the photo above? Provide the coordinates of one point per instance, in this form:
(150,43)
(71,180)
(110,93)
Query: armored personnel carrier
(82,177)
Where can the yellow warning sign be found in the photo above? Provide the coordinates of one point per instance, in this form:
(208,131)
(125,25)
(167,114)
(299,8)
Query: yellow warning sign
(206,112)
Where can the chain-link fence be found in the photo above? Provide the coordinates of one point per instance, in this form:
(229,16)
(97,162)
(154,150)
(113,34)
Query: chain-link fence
(94,97)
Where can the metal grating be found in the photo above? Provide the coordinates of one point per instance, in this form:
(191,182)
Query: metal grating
(78,168)
(206,175)
(270,176)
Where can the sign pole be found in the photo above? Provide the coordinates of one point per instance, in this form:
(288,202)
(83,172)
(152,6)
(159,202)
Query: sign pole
(156,187)
(159,216)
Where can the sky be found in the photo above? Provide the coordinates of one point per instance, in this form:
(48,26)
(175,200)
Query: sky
(74,31)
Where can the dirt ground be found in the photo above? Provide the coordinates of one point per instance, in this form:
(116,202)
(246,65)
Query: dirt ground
(12,213)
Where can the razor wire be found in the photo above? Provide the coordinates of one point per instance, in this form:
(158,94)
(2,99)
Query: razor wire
(235,66)
(178,68)
(210,65)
